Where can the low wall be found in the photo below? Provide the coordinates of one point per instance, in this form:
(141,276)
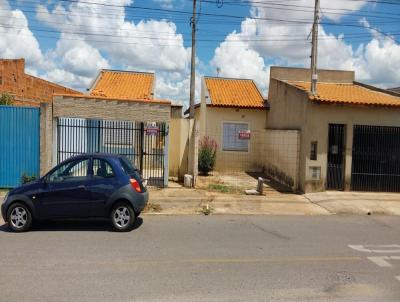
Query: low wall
(280,156)
(272,152)
(178,147)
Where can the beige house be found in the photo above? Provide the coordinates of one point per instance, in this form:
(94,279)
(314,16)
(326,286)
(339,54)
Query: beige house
(233,113)
(350,132)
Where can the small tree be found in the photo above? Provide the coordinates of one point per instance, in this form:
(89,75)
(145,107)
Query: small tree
(6,99)
(207,154)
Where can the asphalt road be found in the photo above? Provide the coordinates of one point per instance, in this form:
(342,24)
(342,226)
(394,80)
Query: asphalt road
(199,258)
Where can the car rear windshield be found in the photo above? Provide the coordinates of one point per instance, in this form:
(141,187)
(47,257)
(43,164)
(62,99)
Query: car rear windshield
(129,168)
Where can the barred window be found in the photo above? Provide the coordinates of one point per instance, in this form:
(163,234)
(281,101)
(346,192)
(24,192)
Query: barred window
(314,151)
(118,133)
(231,140)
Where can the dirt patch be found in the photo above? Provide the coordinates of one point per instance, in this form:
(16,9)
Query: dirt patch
(152,208)
(233,183)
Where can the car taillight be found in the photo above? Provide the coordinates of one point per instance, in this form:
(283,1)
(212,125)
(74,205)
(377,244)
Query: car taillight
(135,184)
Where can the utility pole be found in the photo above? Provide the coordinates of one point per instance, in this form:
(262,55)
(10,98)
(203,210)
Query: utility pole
(314,49)
(193,64)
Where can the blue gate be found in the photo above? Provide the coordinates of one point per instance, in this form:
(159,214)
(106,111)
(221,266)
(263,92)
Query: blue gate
(19,144)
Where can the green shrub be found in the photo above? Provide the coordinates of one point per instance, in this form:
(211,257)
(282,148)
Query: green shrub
(6,99)
(207,154)
(25,178)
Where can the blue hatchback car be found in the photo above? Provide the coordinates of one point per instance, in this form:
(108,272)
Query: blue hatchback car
(83,186)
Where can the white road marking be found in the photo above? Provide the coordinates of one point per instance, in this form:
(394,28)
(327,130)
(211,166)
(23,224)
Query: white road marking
(381,261)
(376,248)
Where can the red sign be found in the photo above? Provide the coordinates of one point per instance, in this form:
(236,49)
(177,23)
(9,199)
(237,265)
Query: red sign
(244,134)
(152,130)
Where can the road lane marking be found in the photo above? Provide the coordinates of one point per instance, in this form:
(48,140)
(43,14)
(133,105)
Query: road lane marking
(380,261)
(383,261)
(217,260)
(376,248)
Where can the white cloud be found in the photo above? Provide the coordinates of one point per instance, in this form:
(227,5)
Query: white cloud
(146,45)
(17,41)
(167,4)
(239,60)
(376,62)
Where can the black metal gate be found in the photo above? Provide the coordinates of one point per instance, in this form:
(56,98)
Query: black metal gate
(336,148)
(376,159)
(142,143)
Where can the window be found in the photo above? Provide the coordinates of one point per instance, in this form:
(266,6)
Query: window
(313,150)
(118,133)
(75,170)
(231,140)
(129,168)
(315,173)
(102,169)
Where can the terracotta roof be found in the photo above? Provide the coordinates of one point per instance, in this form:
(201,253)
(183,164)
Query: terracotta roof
(234,93)
(123,85)
(350,93)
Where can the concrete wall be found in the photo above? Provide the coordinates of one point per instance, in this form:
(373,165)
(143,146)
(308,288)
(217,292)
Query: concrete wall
(280,152)
(291,109)
(304,74)
(46,138)
(178,147)
(106,109)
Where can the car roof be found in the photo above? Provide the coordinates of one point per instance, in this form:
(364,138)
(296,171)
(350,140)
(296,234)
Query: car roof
(94,154)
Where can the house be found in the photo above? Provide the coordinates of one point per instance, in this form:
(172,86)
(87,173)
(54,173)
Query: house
(349,131)
(233,113)
(119,114)
(27,90)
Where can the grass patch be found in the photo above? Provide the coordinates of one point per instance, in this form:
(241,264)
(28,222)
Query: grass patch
(207,210)
(219,188)
(223,188)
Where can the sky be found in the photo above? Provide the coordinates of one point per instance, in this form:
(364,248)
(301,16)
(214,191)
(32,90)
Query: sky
(69,41)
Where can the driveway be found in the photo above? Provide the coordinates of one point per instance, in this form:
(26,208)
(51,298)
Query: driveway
(199,258)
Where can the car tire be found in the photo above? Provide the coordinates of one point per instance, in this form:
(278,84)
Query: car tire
(122,217)
(19,217)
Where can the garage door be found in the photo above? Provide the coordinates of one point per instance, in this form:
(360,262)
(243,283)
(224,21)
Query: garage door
(376,159)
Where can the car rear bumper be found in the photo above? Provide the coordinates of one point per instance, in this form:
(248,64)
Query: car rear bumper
(3,211)
(141,201)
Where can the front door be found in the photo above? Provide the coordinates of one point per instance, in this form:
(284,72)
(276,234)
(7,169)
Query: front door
(65,193)
(336,150)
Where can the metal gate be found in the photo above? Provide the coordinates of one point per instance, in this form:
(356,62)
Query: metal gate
(336,147)
(144,144)
(19,144)
(376,159)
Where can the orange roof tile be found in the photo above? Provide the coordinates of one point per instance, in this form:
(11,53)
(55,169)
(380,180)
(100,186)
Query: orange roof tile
(350,93)
(123,85)
(234,93)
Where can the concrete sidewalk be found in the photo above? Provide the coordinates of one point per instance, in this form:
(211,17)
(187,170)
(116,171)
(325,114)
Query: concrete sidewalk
(358,203)
(193,201)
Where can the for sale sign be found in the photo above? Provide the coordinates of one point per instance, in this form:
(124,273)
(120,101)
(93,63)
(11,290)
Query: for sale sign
(244,134)
(152,130)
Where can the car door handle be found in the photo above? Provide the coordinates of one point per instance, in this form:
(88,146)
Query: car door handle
(81,187)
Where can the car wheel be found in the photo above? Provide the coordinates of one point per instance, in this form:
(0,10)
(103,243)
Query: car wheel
(19,217)
(122,217)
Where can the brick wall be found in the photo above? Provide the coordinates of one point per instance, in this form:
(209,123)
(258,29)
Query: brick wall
(26,89)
